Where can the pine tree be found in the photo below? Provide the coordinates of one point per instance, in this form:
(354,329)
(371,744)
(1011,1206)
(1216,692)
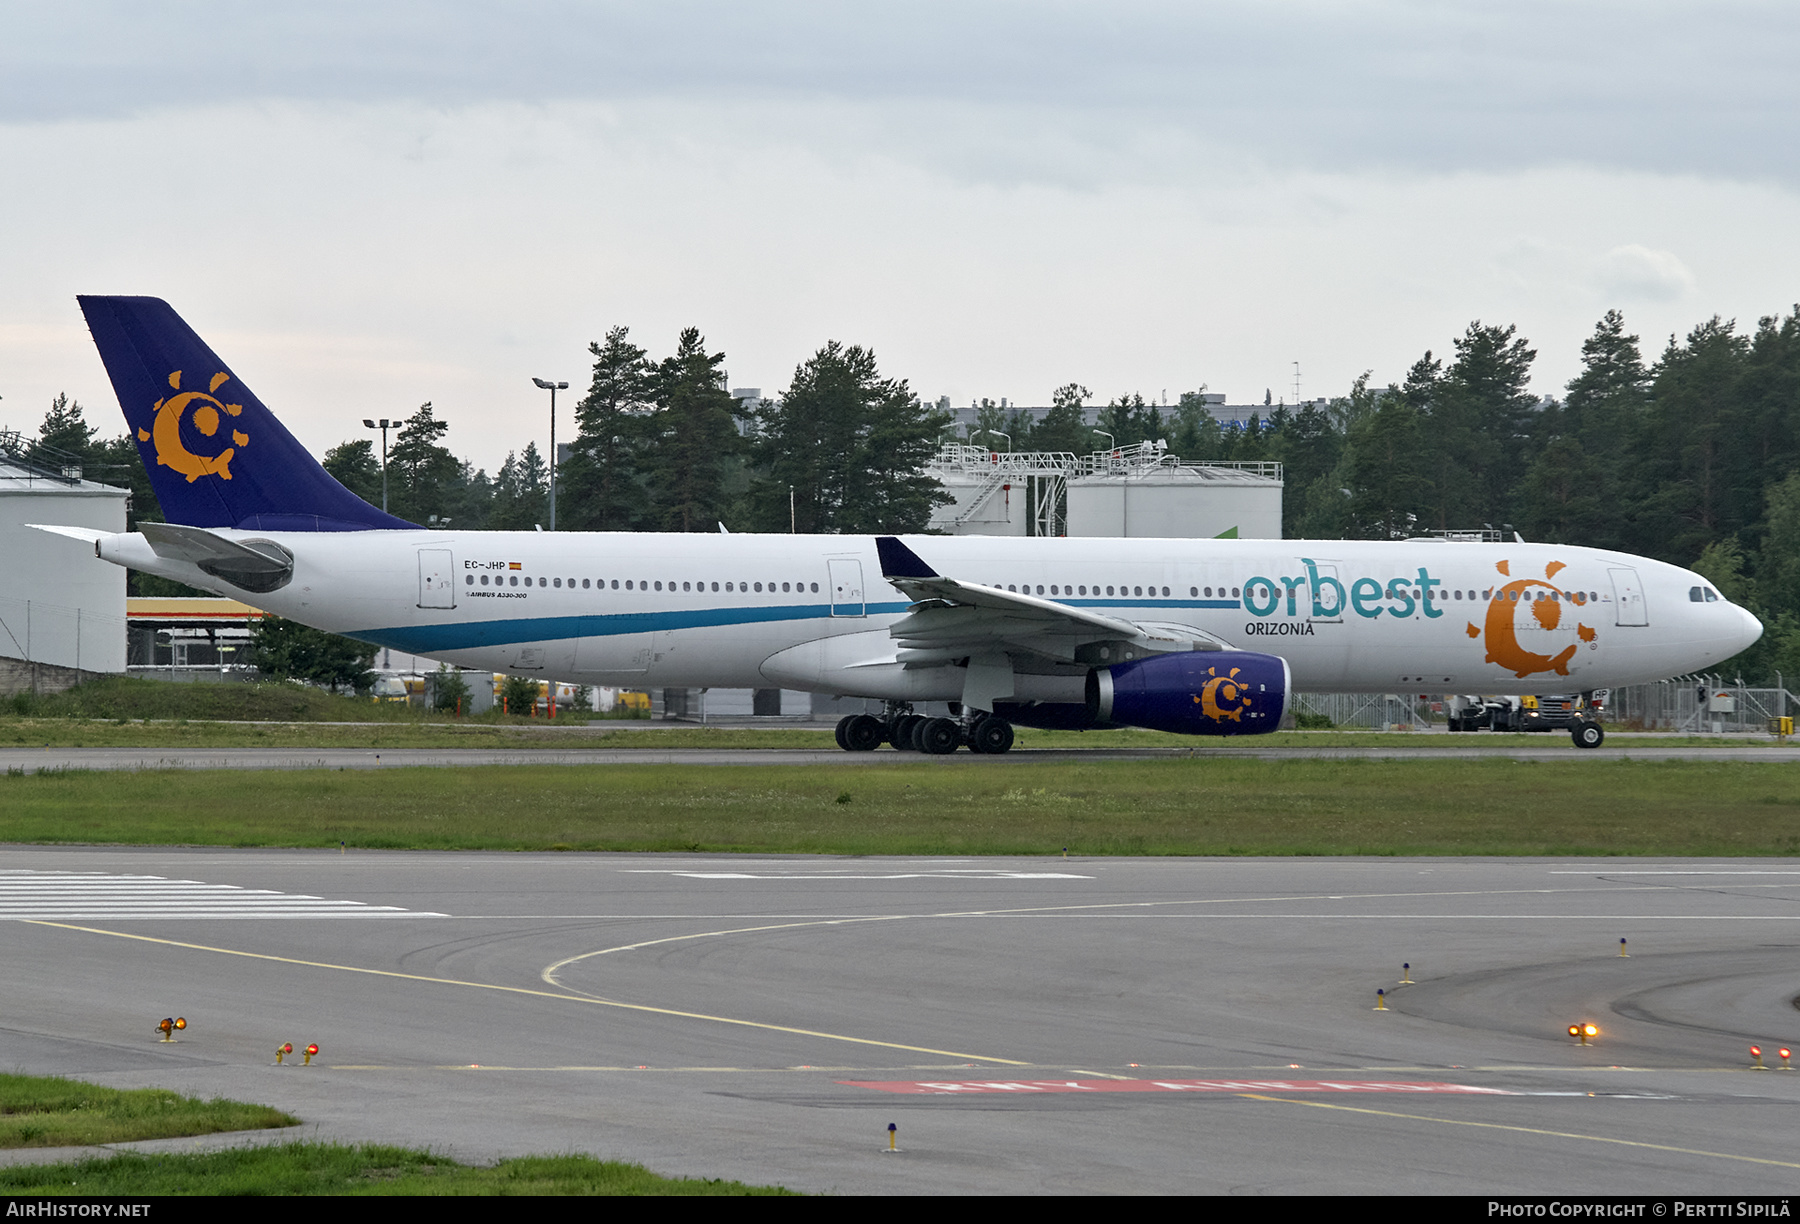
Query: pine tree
(355,465)
(599,486)
(695,434)
(424,478)
(852,447)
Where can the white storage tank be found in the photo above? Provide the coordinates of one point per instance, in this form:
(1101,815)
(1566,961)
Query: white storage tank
(1177,501)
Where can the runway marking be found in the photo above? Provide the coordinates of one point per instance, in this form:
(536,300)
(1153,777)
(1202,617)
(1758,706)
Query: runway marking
(1528,1130)
(550,971)
(971,873)
(574,997)
(1241,1087)
(26,895)
(1604,871)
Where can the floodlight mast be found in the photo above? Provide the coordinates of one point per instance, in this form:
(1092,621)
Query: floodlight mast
(552,388)
(383,425)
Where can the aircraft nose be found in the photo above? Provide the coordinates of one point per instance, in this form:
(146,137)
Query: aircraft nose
(1749,630)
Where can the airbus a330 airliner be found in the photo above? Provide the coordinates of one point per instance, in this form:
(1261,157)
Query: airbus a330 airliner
(1203,637)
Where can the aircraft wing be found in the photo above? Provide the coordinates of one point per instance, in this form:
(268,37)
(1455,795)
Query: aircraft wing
(952,620)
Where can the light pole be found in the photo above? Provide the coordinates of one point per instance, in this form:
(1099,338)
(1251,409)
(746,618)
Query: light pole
(1000,434)
(383,425)
(552,388)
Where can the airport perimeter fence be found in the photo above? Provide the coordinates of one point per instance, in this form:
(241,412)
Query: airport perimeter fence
(1369,711)
(1701,705)
(1698,705)
(39,631)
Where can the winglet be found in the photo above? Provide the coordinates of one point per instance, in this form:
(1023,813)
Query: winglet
(899,561)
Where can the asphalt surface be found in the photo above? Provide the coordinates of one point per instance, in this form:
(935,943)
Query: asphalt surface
(1520,748)
(1029,1025)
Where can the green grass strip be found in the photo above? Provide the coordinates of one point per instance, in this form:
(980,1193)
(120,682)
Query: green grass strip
(565,733)
(1196,805)
(330,1168)
(44,1111)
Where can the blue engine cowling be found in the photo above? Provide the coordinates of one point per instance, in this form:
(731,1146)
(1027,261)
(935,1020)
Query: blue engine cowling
(1205,692)
(1201,692)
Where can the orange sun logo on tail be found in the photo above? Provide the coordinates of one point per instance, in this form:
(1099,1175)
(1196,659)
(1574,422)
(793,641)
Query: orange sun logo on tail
(165,431)
(1547,603)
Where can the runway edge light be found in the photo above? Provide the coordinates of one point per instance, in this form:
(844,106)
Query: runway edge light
(308,1052)
(1756,1062)
(893,1135)
(282,1051)
(1581,1032)
(1381,1000)
(1622,951)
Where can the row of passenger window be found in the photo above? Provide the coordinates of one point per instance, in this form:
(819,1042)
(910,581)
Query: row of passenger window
(631,584)
(1066,591)
(1395,589)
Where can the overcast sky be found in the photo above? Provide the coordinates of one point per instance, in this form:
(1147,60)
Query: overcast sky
(367,205)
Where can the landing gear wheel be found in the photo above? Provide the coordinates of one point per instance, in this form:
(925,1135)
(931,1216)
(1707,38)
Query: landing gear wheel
(901,735)
(1587,735)
(939,736)
(843,725)
(990,735)
(861,733)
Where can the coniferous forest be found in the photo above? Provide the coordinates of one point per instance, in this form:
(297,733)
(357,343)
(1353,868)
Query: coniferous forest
(1690,455)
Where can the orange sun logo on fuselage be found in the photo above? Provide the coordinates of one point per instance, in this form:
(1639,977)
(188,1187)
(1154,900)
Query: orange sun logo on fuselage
(1221,689)
(1501,628)
(165,431)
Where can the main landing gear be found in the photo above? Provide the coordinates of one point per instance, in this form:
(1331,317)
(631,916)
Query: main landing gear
(909,732)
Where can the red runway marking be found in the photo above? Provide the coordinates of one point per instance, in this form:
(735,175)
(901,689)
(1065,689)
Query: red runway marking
(955,1087)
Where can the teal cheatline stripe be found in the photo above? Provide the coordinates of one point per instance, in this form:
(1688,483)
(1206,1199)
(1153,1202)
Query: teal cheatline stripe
(427,639)
(1132,601)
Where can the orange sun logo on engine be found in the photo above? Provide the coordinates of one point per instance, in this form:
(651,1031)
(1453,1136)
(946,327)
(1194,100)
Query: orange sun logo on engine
(208,415)
(1546,602)
(1215,693)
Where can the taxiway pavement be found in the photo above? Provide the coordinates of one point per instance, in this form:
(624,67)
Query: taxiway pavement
(1029,1025)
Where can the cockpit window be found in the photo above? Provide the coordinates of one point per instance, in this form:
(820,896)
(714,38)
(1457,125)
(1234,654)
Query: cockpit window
(1695,596)
(1712,596)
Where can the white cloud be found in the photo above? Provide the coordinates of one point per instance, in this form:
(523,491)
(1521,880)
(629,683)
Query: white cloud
(1634,273)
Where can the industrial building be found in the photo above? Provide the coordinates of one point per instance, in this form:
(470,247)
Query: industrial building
(62,615)
(1140,491)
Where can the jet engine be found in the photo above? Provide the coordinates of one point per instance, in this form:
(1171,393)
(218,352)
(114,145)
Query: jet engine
(1195,692)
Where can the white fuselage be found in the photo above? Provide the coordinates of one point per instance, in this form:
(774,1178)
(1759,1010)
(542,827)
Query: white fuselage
(812,612)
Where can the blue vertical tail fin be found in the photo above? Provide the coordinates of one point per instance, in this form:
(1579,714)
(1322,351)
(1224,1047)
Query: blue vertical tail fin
(215,455)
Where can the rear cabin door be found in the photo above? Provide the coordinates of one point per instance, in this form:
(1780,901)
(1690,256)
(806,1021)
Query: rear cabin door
(436,571)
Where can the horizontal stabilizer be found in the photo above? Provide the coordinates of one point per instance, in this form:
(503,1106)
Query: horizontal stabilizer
(257,565)
(87,535)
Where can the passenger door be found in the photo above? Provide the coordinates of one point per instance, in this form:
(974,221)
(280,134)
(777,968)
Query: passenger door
(1628,597)
(437,569)
(846,586)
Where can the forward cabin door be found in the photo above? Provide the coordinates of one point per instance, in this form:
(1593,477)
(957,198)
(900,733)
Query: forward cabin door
(846,586)
(437,569)
(1628,597)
